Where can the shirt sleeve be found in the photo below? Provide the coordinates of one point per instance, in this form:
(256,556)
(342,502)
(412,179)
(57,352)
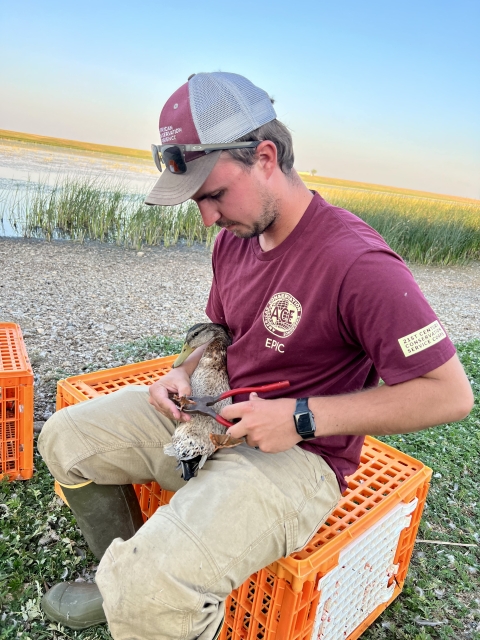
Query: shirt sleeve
(214,308)
(382,309)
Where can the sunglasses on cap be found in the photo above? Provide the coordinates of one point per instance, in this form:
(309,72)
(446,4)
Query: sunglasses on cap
(173,155)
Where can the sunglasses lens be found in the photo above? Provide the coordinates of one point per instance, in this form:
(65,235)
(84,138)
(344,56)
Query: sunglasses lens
(173,159)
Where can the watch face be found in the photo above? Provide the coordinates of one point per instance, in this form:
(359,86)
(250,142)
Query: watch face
(305,425)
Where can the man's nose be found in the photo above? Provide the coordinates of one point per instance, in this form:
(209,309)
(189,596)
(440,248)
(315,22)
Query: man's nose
(209,213)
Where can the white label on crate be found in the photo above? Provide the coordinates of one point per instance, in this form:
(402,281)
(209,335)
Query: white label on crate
(359,583)
(422,339)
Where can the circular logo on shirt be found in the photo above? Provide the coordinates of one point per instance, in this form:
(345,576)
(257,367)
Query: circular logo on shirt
(282,314)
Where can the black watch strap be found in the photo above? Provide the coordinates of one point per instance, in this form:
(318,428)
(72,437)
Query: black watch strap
(304,420)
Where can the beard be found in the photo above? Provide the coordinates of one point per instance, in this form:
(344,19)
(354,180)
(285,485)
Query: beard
(268,216)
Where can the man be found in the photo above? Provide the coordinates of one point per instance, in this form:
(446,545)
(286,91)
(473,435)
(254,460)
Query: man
(310,294)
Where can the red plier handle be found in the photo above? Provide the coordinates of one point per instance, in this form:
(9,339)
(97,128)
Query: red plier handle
(236,392)
(203,405)
(266,387)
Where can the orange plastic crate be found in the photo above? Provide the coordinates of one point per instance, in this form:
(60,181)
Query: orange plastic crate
(346,575)
(99,383)
(16,405)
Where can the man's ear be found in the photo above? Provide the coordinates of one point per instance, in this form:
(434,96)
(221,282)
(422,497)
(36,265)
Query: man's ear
(266,153)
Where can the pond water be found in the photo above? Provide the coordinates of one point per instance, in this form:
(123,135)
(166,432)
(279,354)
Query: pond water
(22,165)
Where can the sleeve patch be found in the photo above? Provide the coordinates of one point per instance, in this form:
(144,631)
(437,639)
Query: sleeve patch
(422,339)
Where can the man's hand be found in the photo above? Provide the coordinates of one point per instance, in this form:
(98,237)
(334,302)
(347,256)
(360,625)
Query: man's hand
(175,381)
(266,424)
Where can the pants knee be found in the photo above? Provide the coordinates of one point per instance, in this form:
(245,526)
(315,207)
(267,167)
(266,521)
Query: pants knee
(58,444)
(155,580)
(52,430)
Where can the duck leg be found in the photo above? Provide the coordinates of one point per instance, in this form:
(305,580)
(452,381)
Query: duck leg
(191,466)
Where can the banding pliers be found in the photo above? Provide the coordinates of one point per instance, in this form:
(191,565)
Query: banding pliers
(203,404)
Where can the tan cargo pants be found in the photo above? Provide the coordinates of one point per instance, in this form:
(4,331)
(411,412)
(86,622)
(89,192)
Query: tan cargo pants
(245,510)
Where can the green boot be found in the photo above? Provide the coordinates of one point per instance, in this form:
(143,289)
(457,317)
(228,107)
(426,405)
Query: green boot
(103,513)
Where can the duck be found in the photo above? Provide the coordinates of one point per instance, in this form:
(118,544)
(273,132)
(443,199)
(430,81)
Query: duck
(193,442)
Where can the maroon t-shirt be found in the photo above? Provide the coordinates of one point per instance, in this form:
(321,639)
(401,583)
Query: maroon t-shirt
(331,309)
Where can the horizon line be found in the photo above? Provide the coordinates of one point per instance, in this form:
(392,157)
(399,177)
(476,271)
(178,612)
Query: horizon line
(140,154)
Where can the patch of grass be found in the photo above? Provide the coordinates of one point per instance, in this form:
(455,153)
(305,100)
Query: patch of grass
(40,543)
(146,349)
(443,583)
(428,230)
(105,209)
(422,230)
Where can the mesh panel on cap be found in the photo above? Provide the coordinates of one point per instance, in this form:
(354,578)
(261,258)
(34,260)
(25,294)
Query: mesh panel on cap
(226,106)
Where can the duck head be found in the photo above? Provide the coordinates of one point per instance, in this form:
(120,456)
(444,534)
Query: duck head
(199,335)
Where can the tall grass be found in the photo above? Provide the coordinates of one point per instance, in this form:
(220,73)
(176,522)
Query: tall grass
(421,229)
(96,208)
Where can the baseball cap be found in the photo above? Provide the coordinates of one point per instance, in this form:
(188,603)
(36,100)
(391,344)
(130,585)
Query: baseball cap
(211,108)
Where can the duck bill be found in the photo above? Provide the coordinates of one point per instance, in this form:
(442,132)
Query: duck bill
(183,355)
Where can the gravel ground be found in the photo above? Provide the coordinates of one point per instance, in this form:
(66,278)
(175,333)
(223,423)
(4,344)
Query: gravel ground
(75,300)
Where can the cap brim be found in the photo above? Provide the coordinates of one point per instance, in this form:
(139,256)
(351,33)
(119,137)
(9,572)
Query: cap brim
(175,189)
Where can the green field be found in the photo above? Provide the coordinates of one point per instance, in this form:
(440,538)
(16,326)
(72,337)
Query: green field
(420,229)
(428,228)
(78,145)
(319,182)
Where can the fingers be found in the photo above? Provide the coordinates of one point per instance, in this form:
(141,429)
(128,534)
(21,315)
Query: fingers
(240,409)
(170,410)
(238,414)
(183,388)
(163,404)
(159,397)
(251,443)
(266,424)
(235,411)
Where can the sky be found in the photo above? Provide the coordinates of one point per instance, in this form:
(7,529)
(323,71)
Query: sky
(375,91)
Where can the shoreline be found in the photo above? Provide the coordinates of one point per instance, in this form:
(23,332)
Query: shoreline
(316,182)
(76,145)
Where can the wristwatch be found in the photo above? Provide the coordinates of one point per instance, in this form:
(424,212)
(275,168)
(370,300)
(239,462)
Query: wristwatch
(304,420)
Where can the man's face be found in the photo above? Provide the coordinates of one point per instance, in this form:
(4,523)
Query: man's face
(236,199)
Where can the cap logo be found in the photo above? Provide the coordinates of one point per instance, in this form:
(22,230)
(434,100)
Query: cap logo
(169,134)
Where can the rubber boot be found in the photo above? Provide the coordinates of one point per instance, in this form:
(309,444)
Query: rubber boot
(103,513)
